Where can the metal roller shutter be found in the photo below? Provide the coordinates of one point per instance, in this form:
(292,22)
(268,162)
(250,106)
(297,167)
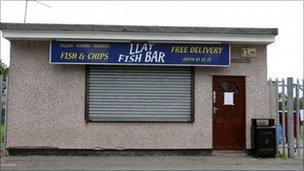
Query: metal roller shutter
(139,93)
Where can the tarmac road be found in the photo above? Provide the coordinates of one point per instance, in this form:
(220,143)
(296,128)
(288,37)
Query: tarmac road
(215,162)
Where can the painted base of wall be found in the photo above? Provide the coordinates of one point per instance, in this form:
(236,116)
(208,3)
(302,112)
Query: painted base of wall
(108,152)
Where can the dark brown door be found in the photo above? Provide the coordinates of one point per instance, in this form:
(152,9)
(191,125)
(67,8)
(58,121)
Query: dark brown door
(228,113)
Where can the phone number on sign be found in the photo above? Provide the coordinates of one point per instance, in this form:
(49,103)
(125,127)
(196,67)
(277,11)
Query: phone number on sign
(197,59)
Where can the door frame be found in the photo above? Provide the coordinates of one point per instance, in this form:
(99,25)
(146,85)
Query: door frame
(245,115)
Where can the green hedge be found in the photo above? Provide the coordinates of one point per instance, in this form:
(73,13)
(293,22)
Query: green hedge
(1,133)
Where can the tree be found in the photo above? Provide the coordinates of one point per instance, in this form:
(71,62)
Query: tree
(301,100)
(3,72)
(3,69)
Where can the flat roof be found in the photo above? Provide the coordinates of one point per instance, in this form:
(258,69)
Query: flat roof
(131,28)
(165,34)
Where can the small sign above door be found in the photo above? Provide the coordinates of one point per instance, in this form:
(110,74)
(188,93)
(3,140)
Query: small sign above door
(249,52)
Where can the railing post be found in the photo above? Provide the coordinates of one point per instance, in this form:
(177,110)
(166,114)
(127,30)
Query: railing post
(270,97)
(297,118)
(290,117)
(277,117)
(303,116)
(283,117)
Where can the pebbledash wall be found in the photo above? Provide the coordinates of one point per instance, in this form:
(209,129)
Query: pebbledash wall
(46,104)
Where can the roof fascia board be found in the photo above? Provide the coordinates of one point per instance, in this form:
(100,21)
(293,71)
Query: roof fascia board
(135,36)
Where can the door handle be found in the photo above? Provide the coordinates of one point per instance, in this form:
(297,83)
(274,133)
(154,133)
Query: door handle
(215,109)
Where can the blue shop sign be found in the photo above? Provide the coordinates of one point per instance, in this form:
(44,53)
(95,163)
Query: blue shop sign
(139,53)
